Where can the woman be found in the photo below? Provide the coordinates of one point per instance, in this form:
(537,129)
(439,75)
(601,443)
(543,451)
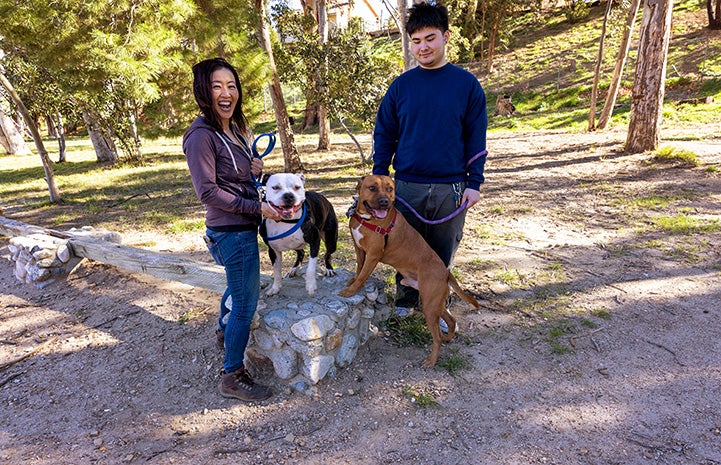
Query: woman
(223,169)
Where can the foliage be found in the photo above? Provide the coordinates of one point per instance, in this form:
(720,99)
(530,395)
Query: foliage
(576,11)
(349,73)
(482,22)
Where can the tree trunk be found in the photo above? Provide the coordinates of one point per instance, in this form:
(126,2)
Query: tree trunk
(597,73)
(644,128)
(104,146)
(11,138)
(408,60)
(714,14)
(323,119)
(47,164)
(310,115)
(137,144)
(60,136)
(291,160)
(620,64)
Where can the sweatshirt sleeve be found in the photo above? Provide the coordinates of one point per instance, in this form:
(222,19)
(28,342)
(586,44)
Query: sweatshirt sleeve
(475,127)
(385,135)
(199,151)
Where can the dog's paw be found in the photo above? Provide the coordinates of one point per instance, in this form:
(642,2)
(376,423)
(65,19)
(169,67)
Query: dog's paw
(292,273)
(311,288)
(329,273)
(347,292)
(350,281)
(428,363)
(273,290)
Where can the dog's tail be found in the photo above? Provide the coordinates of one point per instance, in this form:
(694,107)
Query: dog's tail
(461,293)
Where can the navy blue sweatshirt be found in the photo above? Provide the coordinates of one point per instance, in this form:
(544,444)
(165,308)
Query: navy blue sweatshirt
(430,123)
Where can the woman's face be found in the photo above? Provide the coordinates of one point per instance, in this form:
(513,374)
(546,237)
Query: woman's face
(225,94)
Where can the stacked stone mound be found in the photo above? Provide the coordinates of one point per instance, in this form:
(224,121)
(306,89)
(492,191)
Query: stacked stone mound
(302,339)
(40,259)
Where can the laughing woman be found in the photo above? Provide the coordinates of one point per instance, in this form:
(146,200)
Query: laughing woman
(222,169)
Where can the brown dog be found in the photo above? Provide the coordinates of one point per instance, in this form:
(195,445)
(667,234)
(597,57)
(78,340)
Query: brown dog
(381,234)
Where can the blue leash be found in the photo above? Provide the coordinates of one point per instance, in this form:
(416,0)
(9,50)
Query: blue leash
(256,154)
(268,149)
(291,230)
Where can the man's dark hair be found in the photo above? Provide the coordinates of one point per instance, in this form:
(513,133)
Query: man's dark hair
(202,90)
(423,15)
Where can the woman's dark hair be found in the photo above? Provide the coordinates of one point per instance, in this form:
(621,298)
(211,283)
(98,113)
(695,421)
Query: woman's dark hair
(202,90)
(423,15)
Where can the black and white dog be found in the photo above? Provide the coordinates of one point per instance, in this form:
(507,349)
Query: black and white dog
(307,218)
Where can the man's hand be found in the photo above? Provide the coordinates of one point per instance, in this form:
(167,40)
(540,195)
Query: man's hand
(256,166)
(472,196)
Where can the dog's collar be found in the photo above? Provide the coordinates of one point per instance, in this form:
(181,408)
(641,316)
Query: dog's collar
(378,229)
(298,224)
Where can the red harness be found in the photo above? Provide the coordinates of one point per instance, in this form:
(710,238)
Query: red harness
(375,228)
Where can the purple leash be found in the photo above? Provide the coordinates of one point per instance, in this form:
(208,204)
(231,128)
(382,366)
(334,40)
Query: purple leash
(442,220)
(457,211)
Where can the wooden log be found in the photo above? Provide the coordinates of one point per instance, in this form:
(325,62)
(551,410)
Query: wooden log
(161,265)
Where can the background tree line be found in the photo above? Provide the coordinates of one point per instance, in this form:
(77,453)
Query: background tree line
(121,70)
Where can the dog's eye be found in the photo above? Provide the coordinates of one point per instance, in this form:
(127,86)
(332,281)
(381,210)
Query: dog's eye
(275,188)
(296,187)
(372,188)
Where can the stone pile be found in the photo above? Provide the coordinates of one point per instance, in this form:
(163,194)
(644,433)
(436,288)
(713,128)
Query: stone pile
(302,339)
(41,259)
(297,338)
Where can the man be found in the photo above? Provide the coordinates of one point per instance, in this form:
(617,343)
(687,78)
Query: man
(431,127)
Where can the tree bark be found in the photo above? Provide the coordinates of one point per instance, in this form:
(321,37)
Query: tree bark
(105,149)
(597,73)
(60,137)
(644,129)
(714,14)
(47,164)
(291,159)
(620,64)
(323,119)
(408,60)
(11,139)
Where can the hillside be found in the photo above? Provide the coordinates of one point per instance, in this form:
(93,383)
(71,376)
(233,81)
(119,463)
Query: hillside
(548,66)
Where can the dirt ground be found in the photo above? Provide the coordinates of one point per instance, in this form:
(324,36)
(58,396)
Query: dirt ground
(598,340)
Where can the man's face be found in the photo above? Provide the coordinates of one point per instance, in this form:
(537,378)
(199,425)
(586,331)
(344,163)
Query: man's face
(429,47)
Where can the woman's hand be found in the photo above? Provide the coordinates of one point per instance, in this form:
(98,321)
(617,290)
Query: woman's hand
(269,212)
(256,166)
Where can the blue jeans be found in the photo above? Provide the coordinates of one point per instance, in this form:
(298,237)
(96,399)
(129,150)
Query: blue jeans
(432,202)
(238,253)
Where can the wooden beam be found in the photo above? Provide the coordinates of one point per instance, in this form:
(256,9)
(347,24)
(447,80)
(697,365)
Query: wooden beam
(161,265)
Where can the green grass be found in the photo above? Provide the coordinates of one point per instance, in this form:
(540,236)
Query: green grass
(455,362)
(671,154)
(685,225)
(409,331)
(419,396)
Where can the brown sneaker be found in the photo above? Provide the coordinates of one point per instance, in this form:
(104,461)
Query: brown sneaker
(239,385)
(220,339)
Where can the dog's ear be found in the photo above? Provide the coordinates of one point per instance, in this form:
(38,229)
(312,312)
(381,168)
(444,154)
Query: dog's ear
(301,176)
(264,179)
(360,183)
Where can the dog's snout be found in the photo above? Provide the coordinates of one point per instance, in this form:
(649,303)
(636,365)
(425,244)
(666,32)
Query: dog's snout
(384,202)
(288,198)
